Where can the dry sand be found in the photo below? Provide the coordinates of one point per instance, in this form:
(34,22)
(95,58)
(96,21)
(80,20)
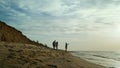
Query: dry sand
(17,55)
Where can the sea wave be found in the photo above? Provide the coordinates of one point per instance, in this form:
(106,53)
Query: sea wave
(110,59)
(101,56)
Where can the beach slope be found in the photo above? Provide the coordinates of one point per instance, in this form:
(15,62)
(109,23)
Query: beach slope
(17,55)
(18,51)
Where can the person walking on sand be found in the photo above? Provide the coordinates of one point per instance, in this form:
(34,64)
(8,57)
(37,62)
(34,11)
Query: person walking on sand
(54,44)
(66,46)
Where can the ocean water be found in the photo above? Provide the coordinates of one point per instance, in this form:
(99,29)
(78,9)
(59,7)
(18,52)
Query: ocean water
(109,59)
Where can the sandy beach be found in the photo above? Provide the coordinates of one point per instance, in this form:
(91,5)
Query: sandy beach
(59,33)
(17,55)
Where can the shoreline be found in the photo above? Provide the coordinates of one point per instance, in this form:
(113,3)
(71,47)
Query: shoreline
(107,59)
(84,63)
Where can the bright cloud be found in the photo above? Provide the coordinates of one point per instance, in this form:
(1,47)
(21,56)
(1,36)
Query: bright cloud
(71,19)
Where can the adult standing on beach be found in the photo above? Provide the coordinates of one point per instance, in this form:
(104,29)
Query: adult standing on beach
(54,44)
(66,46)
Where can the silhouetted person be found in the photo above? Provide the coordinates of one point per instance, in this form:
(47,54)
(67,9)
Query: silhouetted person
(54,44)
(57,45)
(66,46)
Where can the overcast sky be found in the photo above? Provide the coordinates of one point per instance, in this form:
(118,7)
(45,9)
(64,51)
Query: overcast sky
(84,24)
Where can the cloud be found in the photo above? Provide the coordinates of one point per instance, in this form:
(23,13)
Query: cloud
(60,16)
(75,21)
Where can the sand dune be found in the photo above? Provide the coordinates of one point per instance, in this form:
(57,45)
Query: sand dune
(17,55)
